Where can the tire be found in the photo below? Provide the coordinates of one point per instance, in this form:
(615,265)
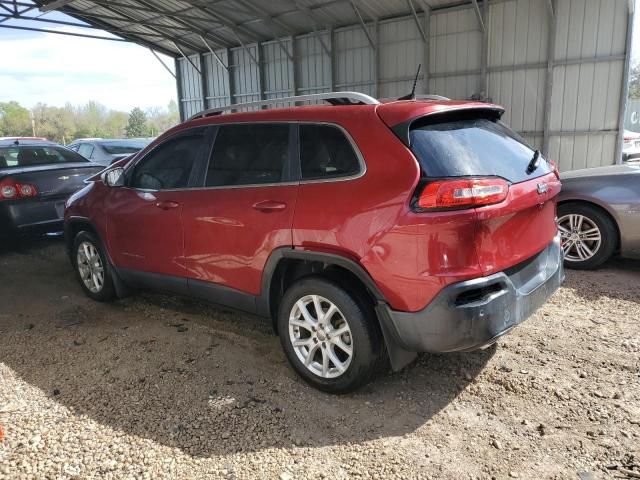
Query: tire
(592,218)
(101,291)
(345,372)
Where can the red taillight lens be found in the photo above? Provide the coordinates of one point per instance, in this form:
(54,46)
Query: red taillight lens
(10,189)
(554,167)
(462,193)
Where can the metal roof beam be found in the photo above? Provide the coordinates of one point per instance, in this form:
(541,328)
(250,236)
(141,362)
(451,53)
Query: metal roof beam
(363,25)
(61,32)
(166,36)
(479,15)
(187,58)
(415,17)
(54,5)
(215,55)
(163,64)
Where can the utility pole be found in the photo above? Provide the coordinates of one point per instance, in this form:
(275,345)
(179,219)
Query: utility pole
(33,122)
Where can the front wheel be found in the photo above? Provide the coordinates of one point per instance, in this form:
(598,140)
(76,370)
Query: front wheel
(92,268)
(330,337)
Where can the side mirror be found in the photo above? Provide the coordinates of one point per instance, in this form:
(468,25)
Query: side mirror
(114,177)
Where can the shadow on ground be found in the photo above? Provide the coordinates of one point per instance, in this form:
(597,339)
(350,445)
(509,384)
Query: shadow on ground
(202,379)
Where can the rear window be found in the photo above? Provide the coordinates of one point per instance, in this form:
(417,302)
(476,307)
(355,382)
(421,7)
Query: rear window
(28,156)
(125,147)
(473,147)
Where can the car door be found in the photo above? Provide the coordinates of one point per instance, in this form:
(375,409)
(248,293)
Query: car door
(144,218)
(243,212)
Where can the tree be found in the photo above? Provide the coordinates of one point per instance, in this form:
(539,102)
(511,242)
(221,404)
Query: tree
(160,119)
(137,125)
(634,81)
(14,120)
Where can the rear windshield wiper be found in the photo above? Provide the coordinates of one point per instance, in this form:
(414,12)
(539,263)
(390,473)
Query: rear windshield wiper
(533,164)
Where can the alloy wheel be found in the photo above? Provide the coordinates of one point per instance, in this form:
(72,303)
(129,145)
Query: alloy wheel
(581,237)
(320,336)
(90,267)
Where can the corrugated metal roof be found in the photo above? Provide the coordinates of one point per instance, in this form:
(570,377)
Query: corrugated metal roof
(173,26)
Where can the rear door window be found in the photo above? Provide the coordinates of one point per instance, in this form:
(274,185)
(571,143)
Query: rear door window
(325,152)
(86,150)
(473,147)
(249,154)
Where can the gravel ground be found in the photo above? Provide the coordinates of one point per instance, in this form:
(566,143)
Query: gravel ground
(163,387)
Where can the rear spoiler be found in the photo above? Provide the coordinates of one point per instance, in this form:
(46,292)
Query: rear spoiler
(463,112)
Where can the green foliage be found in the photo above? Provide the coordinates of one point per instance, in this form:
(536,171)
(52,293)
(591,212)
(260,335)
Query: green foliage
(634,81)
(137,125)
(14,120)
(65,124)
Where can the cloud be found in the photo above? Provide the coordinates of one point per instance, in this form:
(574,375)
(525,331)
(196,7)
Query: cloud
(57,69)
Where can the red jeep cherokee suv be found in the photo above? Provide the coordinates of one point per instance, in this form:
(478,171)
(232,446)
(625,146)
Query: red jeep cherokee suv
(364,230)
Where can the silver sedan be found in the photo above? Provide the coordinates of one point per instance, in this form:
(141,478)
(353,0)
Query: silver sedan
(599,214)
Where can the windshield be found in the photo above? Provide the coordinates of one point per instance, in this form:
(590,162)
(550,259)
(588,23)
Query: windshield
(124,147)
(474,147)
(28,156)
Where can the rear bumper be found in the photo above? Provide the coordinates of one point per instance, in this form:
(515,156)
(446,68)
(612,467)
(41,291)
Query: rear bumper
(473,314)
(33,215)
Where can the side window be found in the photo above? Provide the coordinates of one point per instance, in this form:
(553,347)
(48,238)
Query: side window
(325,152)
(86,150)
(169,165)
(73,147)
(249,155)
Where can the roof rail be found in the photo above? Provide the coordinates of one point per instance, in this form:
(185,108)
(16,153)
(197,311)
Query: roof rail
(334,98)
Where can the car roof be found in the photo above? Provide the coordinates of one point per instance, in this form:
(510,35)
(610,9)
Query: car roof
(392,112)
(28,142)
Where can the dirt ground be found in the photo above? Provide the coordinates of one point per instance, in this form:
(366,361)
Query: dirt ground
(162,387)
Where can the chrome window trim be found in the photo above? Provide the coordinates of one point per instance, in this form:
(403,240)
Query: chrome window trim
(346,178)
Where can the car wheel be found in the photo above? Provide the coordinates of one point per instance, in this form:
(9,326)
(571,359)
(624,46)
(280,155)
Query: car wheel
(92,267)
(331,338)
(589,236)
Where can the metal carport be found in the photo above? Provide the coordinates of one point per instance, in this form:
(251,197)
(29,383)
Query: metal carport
(560,67)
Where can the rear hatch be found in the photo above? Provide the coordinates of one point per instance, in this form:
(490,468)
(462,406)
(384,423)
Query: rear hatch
(470,152)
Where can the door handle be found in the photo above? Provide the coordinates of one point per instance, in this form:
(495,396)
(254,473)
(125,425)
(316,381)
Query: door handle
(269,206)
(167,205)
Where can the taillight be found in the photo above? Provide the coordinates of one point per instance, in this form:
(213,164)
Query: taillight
(461,193)
(554,168)
(10,190)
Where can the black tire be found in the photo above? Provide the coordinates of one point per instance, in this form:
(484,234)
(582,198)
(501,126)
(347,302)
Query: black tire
(107,293)
(608,234)
(366,338)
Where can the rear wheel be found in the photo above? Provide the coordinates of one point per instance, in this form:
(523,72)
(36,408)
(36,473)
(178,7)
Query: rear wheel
(330,337)
(589,236)
(92,267)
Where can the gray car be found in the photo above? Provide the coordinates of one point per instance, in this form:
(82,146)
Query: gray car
(599,214)
(107,151)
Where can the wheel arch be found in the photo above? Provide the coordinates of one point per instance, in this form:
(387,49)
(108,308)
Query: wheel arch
(286,265)
(282,265)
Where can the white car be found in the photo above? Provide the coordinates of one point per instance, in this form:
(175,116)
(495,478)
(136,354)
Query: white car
(631,146)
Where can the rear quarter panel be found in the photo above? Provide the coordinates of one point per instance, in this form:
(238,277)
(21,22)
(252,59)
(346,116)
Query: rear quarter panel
(619,195)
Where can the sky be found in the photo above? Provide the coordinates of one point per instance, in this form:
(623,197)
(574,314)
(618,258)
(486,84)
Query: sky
(56,69)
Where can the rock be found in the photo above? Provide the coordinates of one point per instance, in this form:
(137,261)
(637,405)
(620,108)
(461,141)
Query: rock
(513,474)
(496,444)
(586,476)
(286,476)
(181,329)
(56,392)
